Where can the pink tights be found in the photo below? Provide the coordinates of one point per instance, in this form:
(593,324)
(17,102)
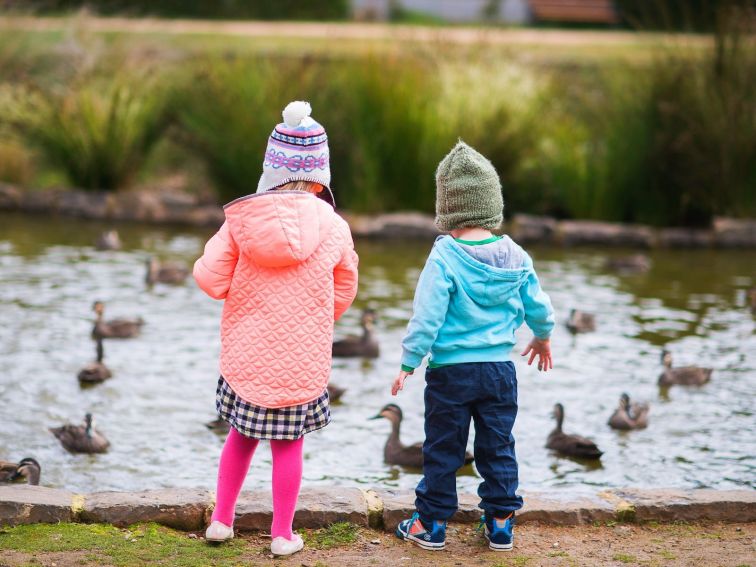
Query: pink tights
(287,477)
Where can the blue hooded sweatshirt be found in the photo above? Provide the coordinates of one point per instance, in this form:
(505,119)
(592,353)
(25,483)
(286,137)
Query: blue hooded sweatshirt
(466,310)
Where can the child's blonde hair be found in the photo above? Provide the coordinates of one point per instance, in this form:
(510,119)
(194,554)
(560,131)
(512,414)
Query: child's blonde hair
(308,186)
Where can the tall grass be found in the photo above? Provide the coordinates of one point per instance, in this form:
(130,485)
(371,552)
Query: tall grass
(674,143)
(225,112)
(98,135)
(389,122)
(670,142)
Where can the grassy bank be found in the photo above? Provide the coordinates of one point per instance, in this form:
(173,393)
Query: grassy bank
(651,545)
(657,131)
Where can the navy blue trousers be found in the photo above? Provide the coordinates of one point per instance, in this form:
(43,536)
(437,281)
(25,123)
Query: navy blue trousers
(486,393)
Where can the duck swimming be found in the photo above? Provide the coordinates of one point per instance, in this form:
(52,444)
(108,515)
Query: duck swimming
(365,346)
(629,416)
(218,425)
(335,392)
(95,372)
(120,328)
(581,322)
(684,375)
(394,452)
(27,469)
(108,240)
(166,273)
(81,438)
(568,444)
(632,264)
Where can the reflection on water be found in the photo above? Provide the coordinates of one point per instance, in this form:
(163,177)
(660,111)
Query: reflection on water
(162,393)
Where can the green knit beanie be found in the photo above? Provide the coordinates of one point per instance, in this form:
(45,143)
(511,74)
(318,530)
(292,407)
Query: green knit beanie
(468,191)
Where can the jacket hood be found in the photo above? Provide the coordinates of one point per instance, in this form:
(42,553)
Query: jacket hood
(487,285)
(279,228)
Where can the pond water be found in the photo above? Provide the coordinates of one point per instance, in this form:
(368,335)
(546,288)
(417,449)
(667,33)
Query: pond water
(153,410)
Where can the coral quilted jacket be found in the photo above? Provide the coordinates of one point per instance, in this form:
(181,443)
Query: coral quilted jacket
(285,263)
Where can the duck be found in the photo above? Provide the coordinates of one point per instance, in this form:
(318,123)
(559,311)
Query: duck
(365,346)
(166,273)
(95,372)
(121,328)
(26,468)
(81,438)
(581,322)
(684,375)
(629,416)
(632,264)
(394,452)
(335,392)
(108,240)
(218,425)
(568,444)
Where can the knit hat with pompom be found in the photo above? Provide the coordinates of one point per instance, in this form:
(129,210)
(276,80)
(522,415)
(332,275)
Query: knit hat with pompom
(297,151)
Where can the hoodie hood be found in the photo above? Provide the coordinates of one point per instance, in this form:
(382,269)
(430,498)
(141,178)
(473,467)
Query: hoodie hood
(279,228)
(485,284)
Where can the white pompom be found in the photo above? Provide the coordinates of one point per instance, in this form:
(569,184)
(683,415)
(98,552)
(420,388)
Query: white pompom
(296,112)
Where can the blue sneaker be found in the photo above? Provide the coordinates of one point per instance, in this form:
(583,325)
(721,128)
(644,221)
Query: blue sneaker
(415,531)
(499,532)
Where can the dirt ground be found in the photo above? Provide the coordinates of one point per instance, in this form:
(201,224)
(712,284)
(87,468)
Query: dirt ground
(710,545)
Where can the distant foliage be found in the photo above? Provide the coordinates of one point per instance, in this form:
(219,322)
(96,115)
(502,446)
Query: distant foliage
(666,141)
(675,15)
(227,9)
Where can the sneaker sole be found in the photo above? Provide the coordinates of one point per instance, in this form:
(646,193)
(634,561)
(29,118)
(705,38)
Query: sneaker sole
(427,545)
(499,546)
(280,554)
(214,540)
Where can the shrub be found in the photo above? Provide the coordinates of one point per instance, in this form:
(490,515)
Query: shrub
(226,113)
(15,163)
(99,136)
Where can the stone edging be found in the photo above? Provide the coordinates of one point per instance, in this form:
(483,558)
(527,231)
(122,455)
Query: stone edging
(190,509)
(160,207)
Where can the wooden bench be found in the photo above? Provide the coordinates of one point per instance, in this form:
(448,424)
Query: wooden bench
(578,11)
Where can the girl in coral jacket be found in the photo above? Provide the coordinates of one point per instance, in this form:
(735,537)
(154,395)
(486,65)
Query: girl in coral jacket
(285,264)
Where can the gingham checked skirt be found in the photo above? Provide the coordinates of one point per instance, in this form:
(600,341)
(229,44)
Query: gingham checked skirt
(258,422)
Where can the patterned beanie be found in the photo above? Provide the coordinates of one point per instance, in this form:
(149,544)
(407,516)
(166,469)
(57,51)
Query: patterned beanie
(297,151)
(468,191)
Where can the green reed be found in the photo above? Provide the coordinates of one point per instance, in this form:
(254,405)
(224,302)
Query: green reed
(98,135)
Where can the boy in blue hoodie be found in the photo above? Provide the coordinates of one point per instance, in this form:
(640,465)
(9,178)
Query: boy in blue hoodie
(475,290)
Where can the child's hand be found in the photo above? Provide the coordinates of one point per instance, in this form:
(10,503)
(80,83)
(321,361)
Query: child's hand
(542,349)
(399,382)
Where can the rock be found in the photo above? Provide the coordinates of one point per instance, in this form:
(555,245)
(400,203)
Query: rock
(393,225)
(530,228)
(10,197)
(24,504)
(207,215)
(666,504)
(563,512)
(83,204)
(375,508)
(141,206)
(178,206)
(42,201)
(735,233)
(571,233)
(685,238)
(398,506)
(182,509)
(317,508)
